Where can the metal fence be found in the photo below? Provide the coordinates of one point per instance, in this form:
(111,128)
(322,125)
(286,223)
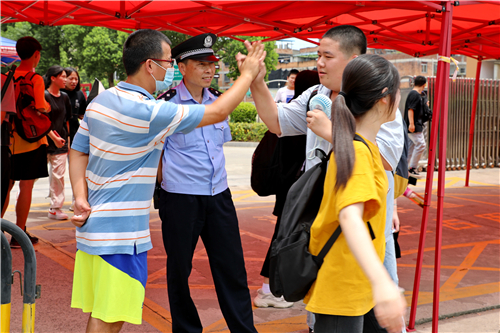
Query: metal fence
(486,145)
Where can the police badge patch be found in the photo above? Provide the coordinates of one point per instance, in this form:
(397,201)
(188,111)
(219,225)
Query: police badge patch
(208,41)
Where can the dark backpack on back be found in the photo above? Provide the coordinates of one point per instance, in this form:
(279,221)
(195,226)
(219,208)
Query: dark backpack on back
(31,125)
(293,269)
(276,162)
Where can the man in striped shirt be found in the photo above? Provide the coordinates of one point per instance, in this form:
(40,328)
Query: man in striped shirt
(114,159)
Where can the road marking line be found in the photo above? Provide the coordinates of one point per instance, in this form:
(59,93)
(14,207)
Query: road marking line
(492,269)
(157,316)
(483,202)
(457,276)
(259,237)
(452,246)
(238,199)
(425,297)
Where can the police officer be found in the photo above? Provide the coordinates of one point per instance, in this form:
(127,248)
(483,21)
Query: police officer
(195,200)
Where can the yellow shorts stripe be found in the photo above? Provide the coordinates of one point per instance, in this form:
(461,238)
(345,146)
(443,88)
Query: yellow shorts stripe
(108,293)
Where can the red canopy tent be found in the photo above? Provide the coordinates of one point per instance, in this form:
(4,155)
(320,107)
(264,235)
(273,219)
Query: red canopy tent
(412,27)
(417,28)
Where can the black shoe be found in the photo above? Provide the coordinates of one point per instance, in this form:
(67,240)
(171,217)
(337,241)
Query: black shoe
(33,239)
(311,330)
(15,245)
(413,171)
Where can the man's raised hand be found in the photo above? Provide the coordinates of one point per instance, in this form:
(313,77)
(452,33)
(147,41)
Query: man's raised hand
(253,61)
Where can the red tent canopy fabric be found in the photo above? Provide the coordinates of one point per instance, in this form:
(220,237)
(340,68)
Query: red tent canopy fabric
(412,27)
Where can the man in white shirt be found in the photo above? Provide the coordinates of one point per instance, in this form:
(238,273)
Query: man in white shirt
(285,94)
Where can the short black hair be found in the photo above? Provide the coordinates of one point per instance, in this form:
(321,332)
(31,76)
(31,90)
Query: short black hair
(69,71)
(140,46)
(27,46)
(293,71)
(420,81)
(350,38)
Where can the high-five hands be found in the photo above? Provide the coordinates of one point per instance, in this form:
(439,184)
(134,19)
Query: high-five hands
(260,66)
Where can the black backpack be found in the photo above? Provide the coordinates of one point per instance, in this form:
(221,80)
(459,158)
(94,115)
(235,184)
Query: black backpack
(276,162)
(293,269)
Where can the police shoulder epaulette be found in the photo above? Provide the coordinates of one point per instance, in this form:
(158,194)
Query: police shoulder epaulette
(168,95)
(215,92)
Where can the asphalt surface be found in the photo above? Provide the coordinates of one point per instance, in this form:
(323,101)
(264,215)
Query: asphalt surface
(470,264)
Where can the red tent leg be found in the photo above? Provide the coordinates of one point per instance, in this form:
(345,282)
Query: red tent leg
(441,178)
(441,85)
(473,119)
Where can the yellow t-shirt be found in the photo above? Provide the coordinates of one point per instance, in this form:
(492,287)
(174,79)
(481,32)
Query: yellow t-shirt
(19,145)
(341,287)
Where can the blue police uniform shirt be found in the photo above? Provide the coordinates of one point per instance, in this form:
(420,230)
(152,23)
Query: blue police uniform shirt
(194,163)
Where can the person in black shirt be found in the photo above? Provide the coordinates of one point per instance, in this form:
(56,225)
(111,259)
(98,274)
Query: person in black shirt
(77,99)
(414,108)
(55,80)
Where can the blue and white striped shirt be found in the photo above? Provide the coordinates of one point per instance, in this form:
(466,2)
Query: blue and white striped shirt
(123,133)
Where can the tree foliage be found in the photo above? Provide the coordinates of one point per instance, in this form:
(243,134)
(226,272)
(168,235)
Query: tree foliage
(231,49)
(97,51)
(94,51)
(102,51)
(49,38)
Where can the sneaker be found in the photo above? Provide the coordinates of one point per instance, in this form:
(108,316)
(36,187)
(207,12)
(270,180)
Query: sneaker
(71,209)
(57,214)
(413,171)
(263,300)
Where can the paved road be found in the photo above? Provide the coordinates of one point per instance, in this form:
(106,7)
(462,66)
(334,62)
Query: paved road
(470,267)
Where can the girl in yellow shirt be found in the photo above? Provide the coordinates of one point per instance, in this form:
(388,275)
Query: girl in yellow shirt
(352,279)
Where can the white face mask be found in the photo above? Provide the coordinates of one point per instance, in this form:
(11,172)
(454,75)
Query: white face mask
(167,80)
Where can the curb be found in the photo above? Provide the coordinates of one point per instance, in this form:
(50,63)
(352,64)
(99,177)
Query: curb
(457,314)
(240,144)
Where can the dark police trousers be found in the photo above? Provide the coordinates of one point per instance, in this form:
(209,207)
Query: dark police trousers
(185,218)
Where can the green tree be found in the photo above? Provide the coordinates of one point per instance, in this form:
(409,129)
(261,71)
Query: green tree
(232,47)
(102,52)
(175,37)
(49,38)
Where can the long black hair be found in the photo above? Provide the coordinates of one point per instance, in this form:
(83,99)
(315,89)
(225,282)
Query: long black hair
(364,83)
(69,71)
(304,80)
(53,71)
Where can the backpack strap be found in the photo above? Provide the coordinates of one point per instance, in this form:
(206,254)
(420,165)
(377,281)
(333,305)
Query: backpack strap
(359,138)
(314,93)
(321,256)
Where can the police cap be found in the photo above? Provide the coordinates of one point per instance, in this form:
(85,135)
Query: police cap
(196,48)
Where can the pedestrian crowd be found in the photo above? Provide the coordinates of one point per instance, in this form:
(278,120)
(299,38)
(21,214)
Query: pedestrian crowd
(126,146)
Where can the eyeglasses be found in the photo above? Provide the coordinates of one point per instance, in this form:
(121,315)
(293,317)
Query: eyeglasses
(171,61)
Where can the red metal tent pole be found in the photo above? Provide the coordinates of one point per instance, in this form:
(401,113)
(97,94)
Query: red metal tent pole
(438,97)
(473,119)
(448,14)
